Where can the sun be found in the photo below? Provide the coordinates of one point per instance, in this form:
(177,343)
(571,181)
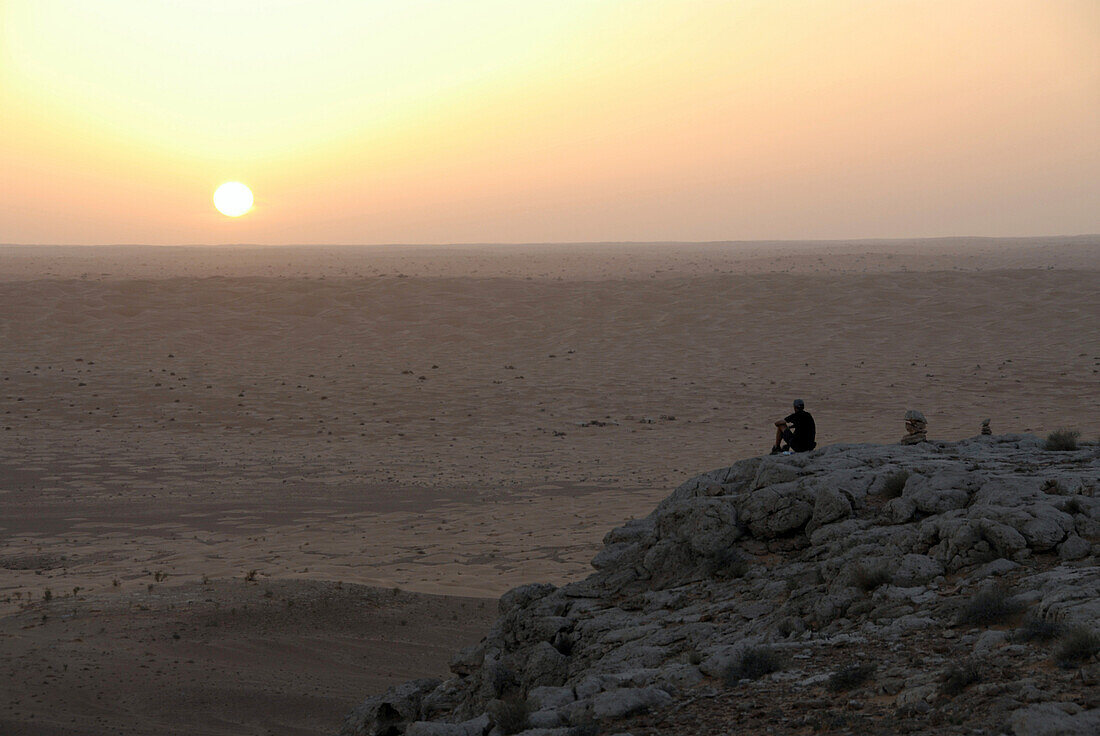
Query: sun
(233,199)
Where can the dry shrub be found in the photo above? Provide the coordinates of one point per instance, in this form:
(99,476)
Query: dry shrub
(729,563)
(851,676)
(1062,440)
(510,713)
(1077,646)
(990,606)
(958,677)
(895,484)
(1036,629)
(753,663)
(867,578)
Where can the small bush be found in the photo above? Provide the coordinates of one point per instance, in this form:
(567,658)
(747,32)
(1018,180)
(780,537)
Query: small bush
(754,663)
(585,729)
(1037,629)
(851,676)
(729,563)
(564,643)
(1052,486)
(895,484)
(510,714)
(991,606)
(868,578)
(1062,440)
(1074,506)
(1078,645)
(501,679)
(958,677)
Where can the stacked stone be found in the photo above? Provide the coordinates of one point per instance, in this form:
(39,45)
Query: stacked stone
(985,427)
(916,428)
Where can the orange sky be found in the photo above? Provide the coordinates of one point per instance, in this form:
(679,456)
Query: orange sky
(497,121)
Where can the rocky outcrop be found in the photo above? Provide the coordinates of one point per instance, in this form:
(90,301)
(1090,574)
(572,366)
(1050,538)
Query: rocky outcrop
(788,593)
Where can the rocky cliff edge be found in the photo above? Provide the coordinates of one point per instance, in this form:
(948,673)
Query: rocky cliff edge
(942,587)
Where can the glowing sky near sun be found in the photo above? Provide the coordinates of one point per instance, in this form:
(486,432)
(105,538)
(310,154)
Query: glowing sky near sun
(493,120)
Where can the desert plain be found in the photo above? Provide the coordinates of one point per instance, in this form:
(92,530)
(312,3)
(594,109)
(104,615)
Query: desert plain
(241,487)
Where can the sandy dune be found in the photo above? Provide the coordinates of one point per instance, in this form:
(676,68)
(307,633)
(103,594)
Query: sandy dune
(464,419)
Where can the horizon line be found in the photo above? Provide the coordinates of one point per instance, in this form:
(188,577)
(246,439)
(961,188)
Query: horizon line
(772,241)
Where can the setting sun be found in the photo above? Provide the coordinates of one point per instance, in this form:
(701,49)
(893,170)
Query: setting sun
(233,199)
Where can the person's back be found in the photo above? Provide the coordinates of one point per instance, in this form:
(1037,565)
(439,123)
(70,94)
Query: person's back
(798,430)
(803,431)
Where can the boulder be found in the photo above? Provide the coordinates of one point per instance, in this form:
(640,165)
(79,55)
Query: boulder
(626,701)
(1046,719)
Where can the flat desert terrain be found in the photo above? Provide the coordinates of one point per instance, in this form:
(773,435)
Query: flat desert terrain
(241,487)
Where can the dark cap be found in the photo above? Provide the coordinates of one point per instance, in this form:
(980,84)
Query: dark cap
(799,404)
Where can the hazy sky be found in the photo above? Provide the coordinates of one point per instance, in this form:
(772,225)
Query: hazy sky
(371,121)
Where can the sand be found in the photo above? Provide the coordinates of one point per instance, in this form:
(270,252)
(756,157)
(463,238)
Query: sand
(458,420)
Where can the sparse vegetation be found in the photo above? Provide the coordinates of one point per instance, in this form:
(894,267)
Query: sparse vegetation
(1074,506)
(160,576)
(894,484)
(1052,486)
(990,606)
(851,676)
(958,677)
(585,729)
(250,576)
(754,663)
(563,642)
(729,563)
(1037,629)
(510,713)
(869,577)
(1062,440)
(501,679)
(47,595)
(1077,646)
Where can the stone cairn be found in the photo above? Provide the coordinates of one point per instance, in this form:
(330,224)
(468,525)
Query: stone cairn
(916,428)
(985,427)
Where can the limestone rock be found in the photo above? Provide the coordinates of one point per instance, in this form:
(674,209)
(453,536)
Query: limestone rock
(798,557)
(625,701)
(1050,720)
(378,714)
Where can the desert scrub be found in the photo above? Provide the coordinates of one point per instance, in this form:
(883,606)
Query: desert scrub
(1052,486)
(869,577)
(510,714)
(958,677)
(501,679)
(753,663)
(1062,440)
(895,484)
(851,676)
(729,563)
(990,606)
(1077,646)
(1036,629)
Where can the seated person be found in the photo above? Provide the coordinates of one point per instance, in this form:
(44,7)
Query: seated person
(798,431)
